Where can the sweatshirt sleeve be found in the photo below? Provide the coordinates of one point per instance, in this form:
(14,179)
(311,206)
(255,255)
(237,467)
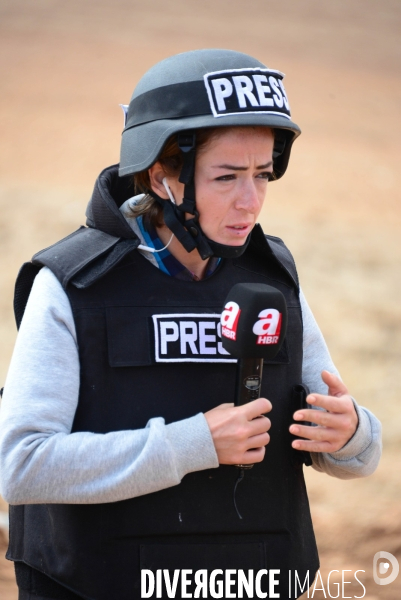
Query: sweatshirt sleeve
(41,461)
(361,455)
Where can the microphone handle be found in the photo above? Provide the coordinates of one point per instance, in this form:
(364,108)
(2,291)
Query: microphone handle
(249,380)
(248,384)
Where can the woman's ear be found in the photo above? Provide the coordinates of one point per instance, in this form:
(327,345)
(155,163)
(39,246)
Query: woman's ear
(156,176)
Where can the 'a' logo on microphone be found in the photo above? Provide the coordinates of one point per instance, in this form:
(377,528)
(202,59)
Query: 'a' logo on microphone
(268,327)
(229,320)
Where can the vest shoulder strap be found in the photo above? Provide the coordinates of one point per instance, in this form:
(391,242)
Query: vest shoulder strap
(84,256)
(284,256)
(275,247)
(80,258)
(73,253)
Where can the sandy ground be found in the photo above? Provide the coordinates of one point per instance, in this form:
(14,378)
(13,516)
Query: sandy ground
(65,67)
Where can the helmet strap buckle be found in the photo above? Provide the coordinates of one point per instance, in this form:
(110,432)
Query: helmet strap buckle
(186,141)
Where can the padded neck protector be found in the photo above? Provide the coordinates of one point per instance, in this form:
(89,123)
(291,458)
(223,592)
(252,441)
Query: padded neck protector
(188,231)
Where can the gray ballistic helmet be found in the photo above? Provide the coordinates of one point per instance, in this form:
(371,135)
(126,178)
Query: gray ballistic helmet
(200,89)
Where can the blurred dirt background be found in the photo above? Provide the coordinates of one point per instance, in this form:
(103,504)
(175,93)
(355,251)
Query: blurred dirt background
(65,67)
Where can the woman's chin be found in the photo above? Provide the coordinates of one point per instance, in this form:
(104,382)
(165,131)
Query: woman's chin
(230,241)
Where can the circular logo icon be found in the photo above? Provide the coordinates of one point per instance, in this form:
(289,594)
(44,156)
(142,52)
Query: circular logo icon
(383,567)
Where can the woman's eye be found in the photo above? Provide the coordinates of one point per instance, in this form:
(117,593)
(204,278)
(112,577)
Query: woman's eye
(266,175)
(226,177)
(232,176)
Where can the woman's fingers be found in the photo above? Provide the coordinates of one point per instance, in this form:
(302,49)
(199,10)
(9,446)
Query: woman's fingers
(240,432)
(335,424)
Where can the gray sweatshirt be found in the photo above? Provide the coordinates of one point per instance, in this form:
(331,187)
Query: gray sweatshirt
(41,461)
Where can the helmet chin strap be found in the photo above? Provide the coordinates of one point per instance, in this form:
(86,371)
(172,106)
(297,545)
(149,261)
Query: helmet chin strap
(188,231)
(224,251)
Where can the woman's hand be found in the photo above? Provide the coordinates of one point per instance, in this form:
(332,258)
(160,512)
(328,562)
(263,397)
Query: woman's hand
(335,425)
(240,432)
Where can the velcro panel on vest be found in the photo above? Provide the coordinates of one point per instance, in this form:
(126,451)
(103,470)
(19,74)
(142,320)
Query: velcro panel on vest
(128,338)
(70,255)
(137,337)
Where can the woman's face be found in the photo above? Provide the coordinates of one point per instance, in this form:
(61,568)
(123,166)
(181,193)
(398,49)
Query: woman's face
(231,177)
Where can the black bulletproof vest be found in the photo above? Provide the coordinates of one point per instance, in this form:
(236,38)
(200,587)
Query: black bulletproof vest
(149,347)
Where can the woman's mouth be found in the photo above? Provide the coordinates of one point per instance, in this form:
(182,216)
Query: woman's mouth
(240,230)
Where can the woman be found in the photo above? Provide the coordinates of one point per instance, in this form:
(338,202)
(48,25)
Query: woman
(118,436)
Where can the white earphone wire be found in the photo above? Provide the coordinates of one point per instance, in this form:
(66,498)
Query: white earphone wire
(169,192)
(147,249)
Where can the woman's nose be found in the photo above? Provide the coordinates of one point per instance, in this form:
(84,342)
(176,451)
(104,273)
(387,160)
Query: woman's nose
(248,197)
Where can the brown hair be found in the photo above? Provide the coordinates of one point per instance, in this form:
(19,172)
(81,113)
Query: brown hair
(171,161)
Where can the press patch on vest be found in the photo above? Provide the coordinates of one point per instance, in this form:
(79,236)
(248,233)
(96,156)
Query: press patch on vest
(250,91)
(190,337)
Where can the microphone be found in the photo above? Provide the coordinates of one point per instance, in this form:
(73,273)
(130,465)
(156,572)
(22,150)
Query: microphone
(253,327)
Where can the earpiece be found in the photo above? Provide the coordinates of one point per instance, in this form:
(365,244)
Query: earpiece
(169,193)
